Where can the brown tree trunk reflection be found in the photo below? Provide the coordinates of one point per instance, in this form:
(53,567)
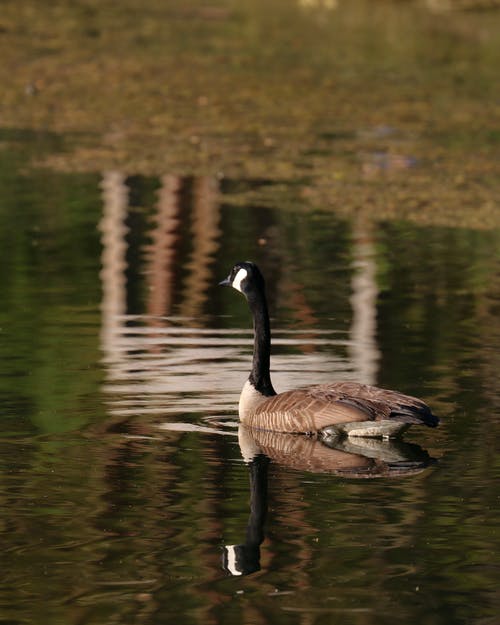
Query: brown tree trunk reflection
(160,254)
(205,234)
(363,350)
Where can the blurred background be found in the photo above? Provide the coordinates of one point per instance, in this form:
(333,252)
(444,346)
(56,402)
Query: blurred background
(352,149)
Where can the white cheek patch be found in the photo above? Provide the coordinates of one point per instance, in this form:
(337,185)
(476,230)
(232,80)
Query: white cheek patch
(238,279)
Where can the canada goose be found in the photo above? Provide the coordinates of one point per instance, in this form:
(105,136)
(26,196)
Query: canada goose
(346,408)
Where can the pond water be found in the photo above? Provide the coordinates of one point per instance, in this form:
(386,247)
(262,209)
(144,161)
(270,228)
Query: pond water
(351,150)
(128,495)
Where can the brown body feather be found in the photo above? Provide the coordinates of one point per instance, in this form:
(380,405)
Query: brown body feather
(317,407)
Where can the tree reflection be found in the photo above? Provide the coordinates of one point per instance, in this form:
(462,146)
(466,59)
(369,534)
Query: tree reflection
(168,254)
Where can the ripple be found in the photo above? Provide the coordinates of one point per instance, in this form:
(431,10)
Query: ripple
(172,369)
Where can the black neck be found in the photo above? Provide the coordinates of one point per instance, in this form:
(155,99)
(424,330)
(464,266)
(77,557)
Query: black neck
(260,376)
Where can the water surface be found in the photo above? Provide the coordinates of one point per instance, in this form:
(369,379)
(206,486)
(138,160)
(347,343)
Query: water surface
(123,476)
(142,153)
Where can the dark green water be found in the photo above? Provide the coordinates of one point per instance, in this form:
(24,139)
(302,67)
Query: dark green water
(351,148)
(122,480)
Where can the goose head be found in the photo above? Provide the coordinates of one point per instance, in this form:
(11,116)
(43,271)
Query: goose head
(246,278)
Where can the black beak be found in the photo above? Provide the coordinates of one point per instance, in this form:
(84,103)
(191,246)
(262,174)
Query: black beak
(225,282)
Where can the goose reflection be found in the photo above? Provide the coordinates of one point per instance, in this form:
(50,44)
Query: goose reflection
(245,558)
(360,459)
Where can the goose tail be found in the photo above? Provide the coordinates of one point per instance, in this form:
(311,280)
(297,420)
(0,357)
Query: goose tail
(419,416)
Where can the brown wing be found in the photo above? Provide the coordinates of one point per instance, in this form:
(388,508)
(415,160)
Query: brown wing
(365,391)
(383,403)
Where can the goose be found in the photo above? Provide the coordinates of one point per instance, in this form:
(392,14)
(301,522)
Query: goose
(326,410)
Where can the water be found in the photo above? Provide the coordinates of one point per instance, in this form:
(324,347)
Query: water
(370,201)
(124,485)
